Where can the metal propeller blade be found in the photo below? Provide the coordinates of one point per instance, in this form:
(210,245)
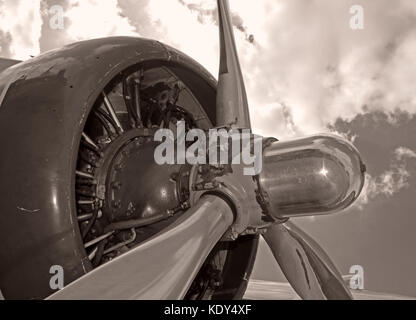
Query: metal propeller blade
(305,264)
(232,105)
(162,267)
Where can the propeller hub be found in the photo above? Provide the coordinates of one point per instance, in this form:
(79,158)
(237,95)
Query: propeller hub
(310,176)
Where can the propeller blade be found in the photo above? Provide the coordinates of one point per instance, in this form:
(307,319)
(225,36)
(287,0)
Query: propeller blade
(232,105)
(162,267)
(305,264)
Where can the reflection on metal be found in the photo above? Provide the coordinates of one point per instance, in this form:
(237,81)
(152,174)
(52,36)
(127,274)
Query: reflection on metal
(99,239)
(93,253)
(172,259)
(89,141)
(84,175)
(122,244)
(111,111)
(314,175)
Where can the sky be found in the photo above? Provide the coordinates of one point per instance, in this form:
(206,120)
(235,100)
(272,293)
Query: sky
(306,71)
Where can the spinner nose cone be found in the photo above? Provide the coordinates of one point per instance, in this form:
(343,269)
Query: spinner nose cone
(310,176)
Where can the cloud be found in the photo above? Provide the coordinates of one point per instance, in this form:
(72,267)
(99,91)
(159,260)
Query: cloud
(206,11)
(5,43)
(96,18)
(390,182)
(20,28)
(322,70)
(175,24)
(403,153)
(30,33)
(305,69)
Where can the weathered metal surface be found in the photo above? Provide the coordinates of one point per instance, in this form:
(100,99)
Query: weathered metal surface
(41,120)
(44,104)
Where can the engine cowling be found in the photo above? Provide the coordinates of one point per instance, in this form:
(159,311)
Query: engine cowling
(45,104)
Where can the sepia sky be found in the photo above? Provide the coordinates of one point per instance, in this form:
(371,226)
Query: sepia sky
(306,71)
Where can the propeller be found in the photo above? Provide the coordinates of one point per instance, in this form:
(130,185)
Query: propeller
(305,264)
(232,104)
(150,271)
(164,266)
(307,267)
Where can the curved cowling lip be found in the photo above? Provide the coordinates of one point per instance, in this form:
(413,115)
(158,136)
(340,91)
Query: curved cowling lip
(6,63)
(44,103)
(315,175)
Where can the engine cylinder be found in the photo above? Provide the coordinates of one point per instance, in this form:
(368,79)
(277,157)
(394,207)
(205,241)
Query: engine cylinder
(310,176)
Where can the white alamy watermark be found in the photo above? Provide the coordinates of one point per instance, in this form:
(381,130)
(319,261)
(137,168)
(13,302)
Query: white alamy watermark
(56,21)
(357,17)
(357,277)
(56,282)
(215,147)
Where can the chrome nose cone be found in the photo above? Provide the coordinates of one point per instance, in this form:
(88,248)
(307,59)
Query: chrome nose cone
(310,176)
